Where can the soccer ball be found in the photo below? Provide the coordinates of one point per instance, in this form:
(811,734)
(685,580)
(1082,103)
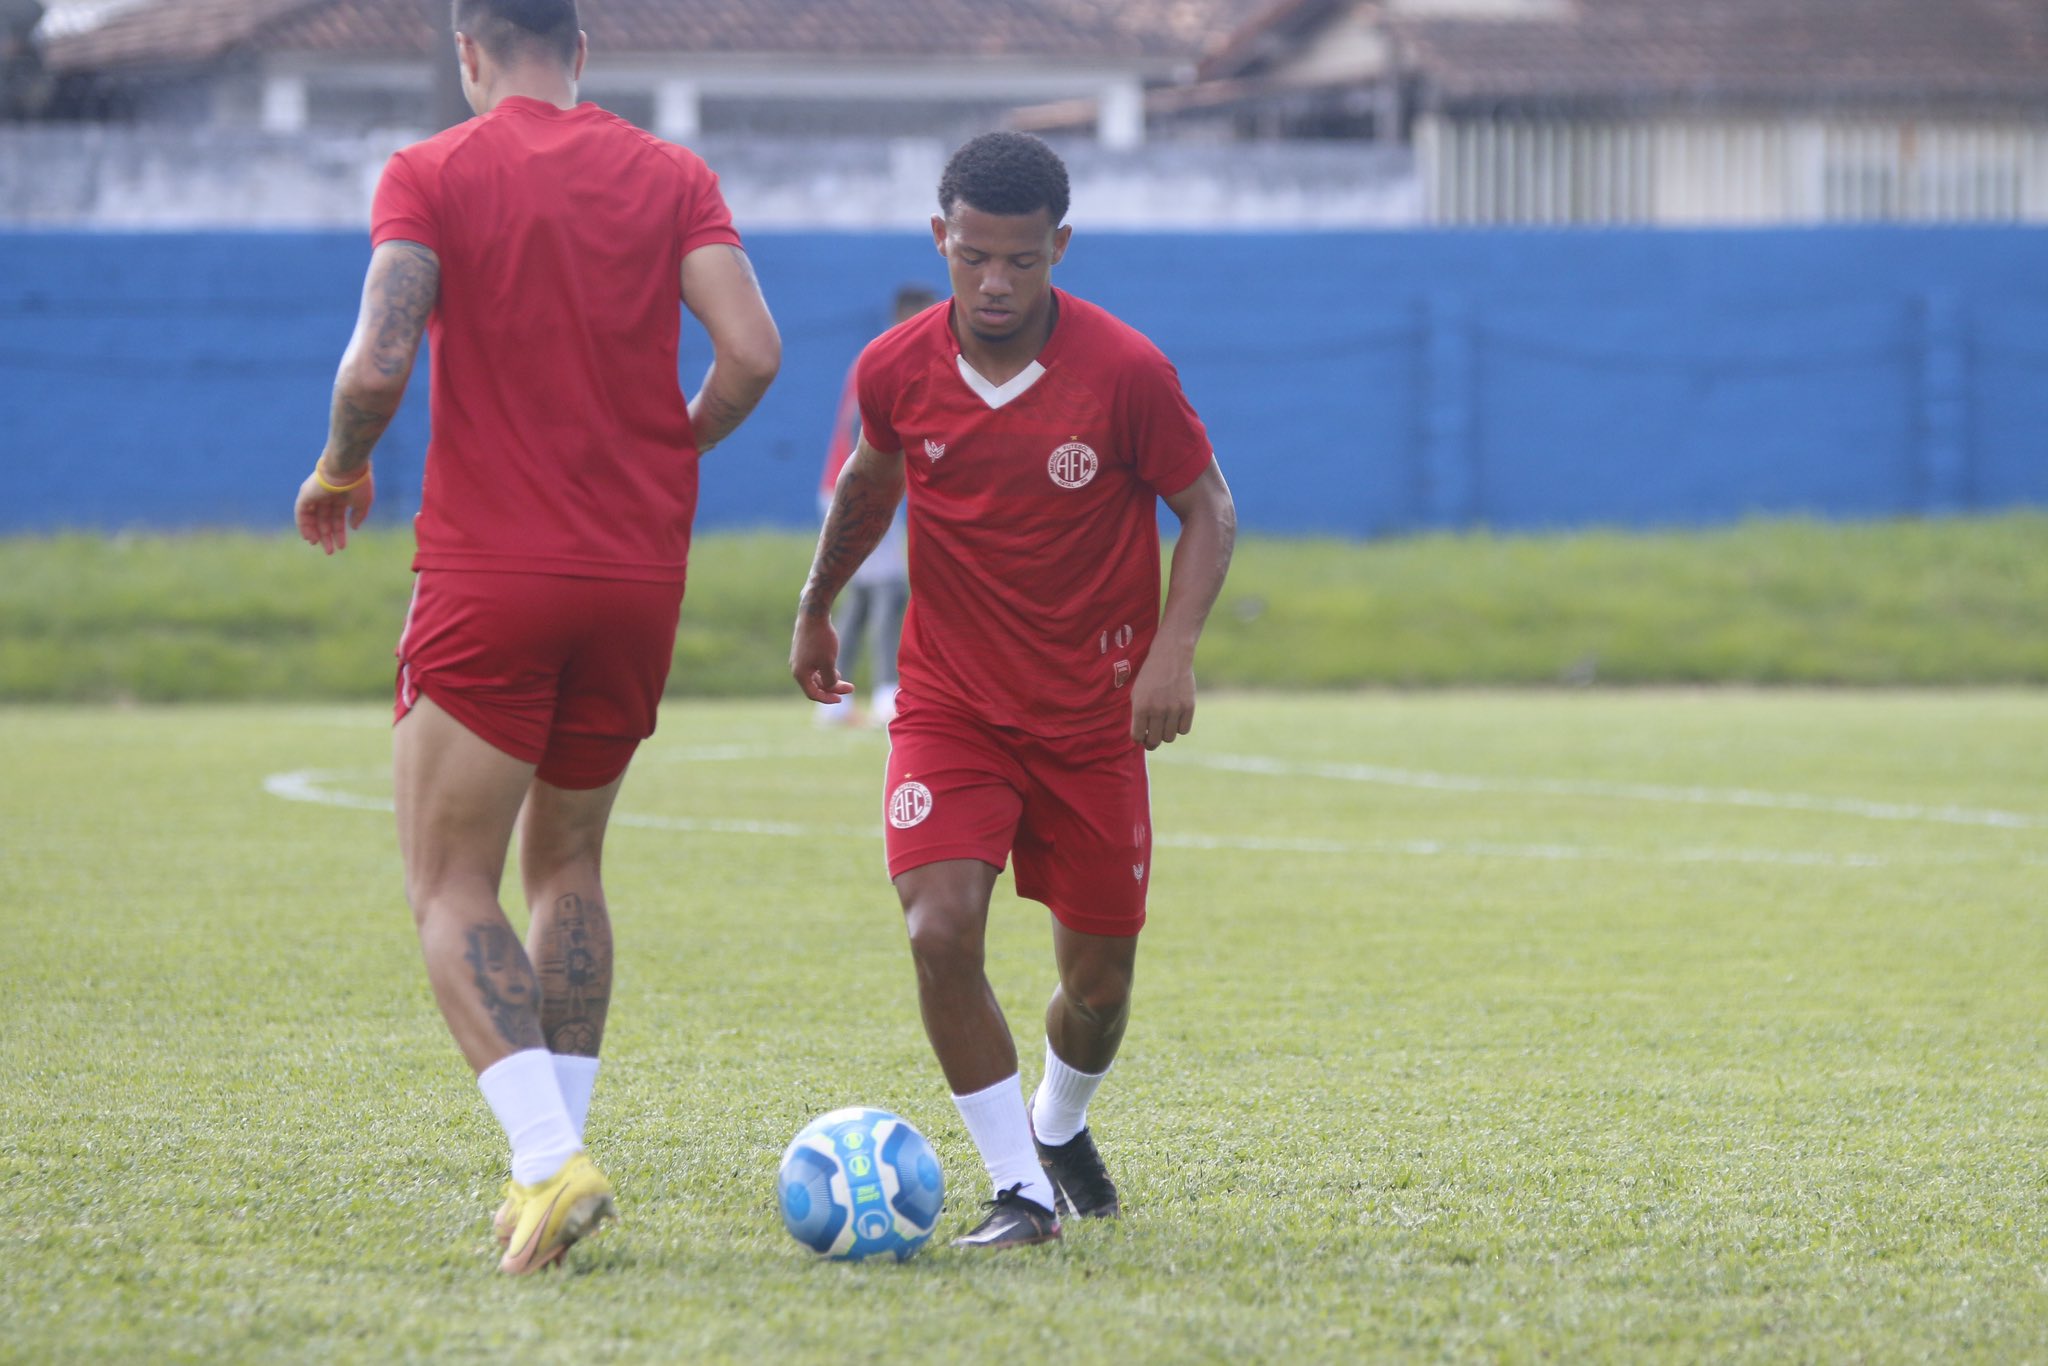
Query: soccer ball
(858,1182)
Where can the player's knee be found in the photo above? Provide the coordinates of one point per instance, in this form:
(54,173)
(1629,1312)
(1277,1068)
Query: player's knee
(1103,1003)
(434,892)
(943,940)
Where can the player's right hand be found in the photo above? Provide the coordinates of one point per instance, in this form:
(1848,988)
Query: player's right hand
(814,660)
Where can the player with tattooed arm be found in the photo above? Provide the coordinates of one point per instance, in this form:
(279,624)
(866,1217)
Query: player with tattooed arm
(548,248)
(1036,435)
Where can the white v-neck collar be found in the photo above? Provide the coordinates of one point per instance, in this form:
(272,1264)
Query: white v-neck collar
(997,395)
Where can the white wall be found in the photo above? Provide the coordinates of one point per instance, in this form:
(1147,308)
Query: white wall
(127,177)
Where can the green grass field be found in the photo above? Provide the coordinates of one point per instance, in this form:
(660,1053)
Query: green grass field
(1961,601)
(1568,1026)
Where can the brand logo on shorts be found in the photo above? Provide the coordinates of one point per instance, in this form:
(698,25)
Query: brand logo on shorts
(1137,872)
(1122,672)
(909,804)
(934,449)
(1072,465)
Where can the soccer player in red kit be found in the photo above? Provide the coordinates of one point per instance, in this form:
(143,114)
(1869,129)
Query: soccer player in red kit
(1035,434)
(549,244)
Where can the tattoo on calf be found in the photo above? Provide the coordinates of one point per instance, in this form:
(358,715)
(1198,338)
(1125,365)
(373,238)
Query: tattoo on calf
(575,969)
(504,979)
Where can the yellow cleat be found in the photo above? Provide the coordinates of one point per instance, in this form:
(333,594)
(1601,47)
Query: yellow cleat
(551,1215)
(507,1217)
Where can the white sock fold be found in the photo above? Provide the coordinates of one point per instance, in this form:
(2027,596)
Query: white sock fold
(997,1123)
(577,1076)
(1059,1107)
(526,1098)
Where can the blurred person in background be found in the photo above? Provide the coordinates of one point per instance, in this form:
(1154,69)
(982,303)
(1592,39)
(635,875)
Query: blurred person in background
(25,86)
(549,247)
(871,616)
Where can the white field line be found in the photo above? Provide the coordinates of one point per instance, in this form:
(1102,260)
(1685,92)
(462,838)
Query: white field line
(1639,792)
(330,787)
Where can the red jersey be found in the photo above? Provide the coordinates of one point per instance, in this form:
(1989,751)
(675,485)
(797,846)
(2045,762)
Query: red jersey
(561,437)
(1034,532)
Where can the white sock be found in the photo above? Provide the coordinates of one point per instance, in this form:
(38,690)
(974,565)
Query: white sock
(997,1123)
(527,1100)
(1059,1107)
(577,1076)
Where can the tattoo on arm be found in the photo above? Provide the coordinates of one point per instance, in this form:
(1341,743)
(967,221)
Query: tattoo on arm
(861,511)
(397,303)
(352,432)
(505,982)
(398,297)
(745,263)
(575,972)
(715,417)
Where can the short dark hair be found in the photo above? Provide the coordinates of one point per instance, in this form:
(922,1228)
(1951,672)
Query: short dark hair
(1008,174)
(507,27)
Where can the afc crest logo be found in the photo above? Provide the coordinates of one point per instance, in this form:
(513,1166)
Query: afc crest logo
(909,804)
(934,449)
(1072,465)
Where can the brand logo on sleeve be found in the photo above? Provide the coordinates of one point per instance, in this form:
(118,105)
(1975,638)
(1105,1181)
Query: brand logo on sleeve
(909,804)
(934,449)
(1072,465)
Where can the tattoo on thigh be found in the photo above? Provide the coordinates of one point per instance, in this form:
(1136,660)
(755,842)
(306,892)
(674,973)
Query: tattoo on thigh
(575,967)
(505,981)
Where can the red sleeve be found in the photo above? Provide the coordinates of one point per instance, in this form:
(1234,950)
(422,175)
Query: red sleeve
(1172,445)
(705,221)
(845,429)
(870,379)
(402,211)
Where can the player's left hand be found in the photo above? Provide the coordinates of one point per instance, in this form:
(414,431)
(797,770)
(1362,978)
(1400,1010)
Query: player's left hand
(326,515)
(1162,703)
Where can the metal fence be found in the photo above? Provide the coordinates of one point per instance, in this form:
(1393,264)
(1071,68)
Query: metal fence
(1732,171)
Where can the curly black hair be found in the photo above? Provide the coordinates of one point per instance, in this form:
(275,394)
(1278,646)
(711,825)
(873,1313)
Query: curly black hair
(506,27)
(1008,174)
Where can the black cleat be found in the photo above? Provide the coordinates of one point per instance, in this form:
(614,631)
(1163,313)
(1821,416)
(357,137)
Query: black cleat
(1080,1183)
(1012,1221)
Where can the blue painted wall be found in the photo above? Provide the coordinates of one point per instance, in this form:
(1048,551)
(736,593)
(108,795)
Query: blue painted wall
(1354,383)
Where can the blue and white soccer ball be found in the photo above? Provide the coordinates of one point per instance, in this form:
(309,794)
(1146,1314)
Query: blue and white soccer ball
(857,1183)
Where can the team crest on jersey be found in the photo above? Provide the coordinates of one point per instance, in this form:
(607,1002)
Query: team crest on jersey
(1072,465)
(934,449)
(909,804)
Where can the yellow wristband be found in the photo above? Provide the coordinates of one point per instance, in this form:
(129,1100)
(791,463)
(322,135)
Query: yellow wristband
(320,478)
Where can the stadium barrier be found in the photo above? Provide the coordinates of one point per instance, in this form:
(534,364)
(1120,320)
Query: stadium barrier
(1355,384)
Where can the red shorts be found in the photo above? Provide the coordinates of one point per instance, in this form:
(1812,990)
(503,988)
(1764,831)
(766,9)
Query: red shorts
(1075,810)
(562,673)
